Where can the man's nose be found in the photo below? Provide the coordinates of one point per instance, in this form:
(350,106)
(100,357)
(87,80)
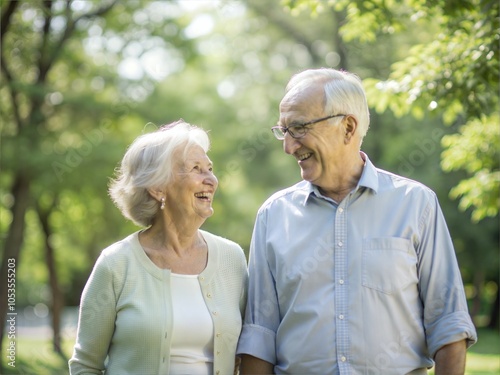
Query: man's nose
(290,144)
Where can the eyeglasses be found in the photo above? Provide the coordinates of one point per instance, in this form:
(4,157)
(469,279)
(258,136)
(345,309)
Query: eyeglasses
(298,130)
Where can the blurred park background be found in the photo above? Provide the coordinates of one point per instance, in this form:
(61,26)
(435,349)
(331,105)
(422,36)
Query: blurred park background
(81,79)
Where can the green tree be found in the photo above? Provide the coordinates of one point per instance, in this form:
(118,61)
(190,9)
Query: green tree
(61,99)
(479,137)
(220,65)
(33,37)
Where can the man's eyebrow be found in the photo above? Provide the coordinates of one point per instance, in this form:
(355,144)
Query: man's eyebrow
(295,124)
(292,124)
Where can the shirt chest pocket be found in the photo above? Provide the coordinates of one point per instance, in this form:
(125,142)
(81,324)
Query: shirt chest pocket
(389,264)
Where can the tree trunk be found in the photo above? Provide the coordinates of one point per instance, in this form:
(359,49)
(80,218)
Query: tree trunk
(21,192)
(341,49)
(57,304)
(495,312)
(478,288)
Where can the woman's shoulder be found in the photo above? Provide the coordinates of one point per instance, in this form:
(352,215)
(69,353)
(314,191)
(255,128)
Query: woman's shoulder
(121,249)
(223,244)
(221,241)
(228,259)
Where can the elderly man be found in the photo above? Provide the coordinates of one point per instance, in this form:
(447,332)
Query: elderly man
(352,270)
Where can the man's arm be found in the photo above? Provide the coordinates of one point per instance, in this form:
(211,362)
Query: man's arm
(450,359)
(251,365)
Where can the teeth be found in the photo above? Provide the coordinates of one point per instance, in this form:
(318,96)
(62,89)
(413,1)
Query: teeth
(203,195)
(304,156)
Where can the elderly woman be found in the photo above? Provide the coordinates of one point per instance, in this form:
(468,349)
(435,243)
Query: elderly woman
(167,299)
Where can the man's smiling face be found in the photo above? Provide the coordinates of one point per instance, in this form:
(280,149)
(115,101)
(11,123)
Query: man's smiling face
(322,150)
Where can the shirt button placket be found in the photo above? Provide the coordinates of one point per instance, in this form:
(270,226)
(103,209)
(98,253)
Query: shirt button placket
(342,329)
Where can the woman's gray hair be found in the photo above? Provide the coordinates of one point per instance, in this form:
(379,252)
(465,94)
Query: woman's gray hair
(344,93)
(148,164)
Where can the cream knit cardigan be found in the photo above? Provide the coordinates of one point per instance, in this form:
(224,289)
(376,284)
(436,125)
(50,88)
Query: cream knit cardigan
(125,320)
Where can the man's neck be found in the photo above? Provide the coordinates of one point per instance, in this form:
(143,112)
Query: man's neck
(345,182)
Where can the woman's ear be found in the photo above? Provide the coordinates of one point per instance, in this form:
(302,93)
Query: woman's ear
(156,194)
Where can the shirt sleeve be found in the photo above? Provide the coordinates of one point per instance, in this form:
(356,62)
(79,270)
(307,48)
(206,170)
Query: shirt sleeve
(96,321)
(258,337)
(446,316)
(244,290)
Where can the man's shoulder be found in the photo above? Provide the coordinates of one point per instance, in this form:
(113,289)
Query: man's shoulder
(390,181)
(299,190)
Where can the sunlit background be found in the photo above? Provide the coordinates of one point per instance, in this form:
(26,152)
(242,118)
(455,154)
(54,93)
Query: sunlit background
(81,79)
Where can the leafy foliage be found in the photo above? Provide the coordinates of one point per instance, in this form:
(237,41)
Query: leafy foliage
(222,66)
(476,149)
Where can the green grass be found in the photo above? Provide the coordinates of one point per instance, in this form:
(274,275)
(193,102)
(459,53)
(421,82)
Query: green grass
(484,357)
(35,356)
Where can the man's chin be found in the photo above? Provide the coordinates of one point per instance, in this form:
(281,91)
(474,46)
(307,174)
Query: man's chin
(307,176)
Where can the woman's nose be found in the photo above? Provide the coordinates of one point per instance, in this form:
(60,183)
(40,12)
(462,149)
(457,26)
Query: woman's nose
(211,179)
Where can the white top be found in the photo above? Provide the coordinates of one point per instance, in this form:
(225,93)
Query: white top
(192,347)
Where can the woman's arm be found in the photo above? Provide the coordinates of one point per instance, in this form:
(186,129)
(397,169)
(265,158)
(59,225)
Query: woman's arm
(95,322)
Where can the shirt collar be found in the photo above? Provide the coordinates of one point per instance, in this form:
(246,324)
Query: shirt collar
(368,179)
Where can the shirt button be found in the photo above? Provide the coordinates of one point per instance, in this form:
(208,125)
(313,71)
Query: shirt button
(214,312)
(341,282)
(218,372)
(218,335)
(209,295)
(341,243)
(341,210)
(341,316)
(343,358)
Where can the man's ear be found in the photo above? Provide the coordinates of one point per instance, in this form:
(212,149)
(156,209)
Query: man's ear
(350,127)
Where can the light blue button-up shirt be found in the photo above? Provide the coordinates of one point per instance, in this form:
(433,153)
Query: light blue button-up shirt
(367,286)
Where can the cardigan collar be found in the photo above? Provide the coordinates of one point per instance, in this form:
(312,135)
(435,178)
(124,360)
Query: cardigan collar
(162,273)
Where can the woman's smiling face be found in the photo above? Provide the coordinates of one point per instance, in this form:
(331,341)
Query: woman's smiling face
(193,184)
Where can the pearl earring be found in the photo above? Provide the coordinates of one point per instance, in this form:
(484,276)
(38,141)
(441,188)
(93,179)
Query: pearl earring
(162,206)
